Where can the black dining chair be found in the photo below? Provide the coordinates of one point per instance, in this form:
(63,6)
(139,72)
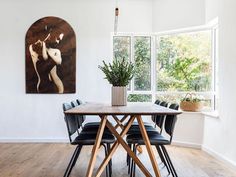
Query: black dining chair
(81,138)
(157,102)
(159,141)
(89,125)
(157,120)
(81,118)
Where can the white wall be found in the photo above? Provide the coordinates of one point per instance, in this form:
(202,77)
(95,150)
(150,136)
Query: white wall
(176,14)
(212,9)
(219,136)
(31,116)
(189,130)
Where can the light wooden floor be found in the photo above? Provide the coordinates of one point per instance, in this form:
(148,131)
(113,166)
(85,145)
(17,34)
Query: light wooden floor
(50,160)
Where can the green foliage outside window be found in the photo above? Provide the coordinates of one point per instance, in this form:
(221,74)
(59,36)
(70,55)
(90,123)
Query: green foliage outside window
(139,98)
(184,62)
(142,58)
(121,47)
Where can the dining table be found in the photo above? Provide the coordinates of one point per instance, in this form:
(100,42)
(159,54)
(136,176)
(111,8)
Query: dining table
(124,116)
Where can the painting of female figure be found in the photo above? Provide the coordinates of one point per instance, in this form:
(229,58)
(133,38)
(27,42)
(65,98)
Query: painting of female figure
(50,57)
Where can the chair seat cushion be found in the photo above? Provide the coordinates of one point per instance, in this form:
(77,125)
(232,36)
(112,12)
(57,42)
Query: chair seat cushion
(93,127)
(146,124)
(136,130)
(155,139)
(92,124)
(88,138)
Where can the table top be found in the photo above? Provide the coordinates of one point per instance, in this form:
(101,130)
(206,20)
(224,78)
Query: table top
(131,109)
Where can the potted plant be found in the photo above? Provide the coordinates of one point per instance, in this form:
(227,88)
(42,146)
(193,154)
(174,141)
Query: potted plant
(118,73)
(191,103)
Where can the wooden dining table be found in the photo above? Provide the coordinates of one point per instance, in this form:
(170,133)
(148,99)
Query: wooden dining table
(129,113)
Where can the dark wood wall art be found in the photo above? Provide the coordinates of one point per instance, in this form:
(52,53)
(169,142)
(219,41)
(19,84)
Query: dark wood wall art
(50,45)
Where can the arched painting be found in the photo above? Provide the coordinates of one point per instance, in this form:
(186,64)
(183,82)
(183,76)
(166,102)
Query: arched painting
(50,46)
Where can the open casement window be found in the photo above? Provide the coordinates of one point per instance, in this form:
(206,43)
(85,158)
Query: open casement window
(171,64)
(183,65)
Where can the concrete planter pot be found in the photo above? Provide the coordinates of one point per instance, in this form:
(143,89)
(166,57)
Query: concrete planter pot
(118,96)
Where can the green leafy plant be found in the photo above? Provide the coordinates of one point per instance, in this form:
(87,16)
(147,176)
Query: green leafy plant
(119,73)
(191,98)
(191,103)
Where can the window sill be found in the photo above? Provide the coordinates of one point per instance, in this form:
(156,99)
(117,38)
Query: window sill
(191,112)
(212,114)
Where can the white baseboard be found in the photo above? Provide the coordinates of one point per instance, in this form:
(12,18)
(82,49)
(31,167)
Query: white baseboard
(35,140)
(187,144)
(65,140)
(219,157)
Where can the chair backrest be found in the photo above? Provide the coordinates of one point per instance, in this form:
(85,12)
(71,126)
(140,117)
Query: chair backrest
(80,118)
(74,104)
(159,119)
(71,121)
(170,121)
(157,102)
(79,103)
(163,103)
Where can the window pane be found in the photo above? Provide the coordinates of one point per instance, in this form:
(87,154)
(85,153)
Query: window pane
(142,58)
(170,98)
(121,47)
(184,62)
(139,98)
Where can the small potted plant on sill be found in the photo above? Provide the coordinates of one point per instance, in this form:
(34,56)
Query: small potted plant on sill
(118,73)
(191,103)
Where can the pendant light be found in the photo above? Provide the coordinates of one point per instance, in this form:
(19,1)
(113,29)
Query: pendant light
(116,18)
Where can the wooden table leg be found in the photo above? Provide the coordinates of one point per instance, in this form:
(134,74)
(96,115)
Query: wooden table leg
(148,146)
(139,149)
(128,150)
(124,118)
(96,146)
(119,123)
(113,148)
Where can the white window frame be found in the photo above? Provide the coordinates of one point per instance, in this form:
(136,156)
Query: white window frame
(154,36)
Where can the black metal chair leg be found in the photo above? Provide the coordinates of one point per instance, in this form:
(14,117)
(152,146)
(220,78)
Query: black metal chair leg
(110,162)
(129,160)
(132,163)
(77,155)
(170,162)
(70,165)
(107,170)
(163,159)
(128,157)
(135,152)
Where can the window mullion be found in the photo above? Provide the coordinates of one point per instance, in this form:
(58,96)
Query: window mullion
(213,80)
(153,68)
(132,60)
